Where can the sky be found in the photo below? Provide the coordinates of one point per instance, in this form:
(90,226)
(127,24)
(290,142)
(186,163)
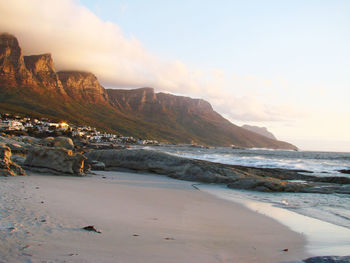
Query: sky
(284,65)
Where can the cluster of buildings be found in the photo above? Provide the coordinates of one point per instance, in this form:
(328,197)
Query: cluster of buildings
(11,123)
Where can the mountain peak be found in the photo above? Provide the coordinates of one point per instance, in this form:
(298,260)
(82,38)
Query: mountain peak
(7,39)
(38,63)
(12,68)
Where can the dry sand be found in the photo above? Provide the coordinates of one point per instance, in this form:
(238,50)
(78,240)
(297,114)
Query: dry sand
(143,218)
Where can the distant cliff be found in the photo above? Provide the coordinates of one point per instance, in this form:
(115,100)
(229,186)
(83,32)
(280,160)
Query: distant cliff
(30,85)
(260,130)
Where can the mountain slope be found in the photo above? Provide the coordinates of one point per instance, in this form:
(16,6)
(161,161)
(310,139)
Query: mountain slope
(260,130)
(30,85)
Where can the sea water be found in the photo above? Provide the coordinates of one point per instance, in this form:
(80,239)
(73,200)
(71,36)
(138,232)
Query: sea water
(325,212)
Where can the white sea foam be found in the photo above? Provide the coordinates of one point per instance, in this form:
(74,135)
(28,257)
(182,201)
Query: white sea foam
(332,208)
(318,162)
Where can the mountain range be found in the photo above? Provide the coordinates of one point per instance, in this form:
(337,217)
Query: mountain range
(30,85)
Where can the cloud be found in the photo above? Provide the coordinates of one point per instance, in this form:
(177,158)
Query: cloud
(80,40)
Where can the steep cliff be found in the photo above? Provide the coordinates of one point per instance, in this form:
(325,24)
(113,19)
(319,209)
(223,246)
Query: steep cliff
(42,69)
(83,87)
(13,71)
(187,120)
(30,85)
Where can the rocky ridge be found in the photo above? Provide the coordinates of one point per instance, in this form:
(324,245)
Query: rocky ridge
(28,84)
(7,166)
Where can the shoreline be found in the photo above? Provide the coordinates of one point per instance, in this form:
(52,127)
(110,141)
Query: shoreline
(323,238)
(143,218)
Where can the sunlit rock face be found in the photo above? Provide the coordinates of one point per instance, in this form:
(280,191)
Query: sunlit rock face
(30,85)
(13,71)
(83,86)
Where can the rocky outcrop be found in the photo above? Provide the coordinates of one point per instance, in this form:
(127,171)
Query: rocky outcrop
(260,130)
(189,169)
(96,165)
(63,142)
(17,144)
(238,177)
(83,87)
(55,160)
(7,166)
(12,68)
(265,184)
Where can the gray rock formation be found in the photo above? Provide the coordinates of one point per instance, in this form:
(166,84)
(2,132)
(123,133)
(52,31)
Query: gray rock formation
(48,141)
(16,145)
(63,142)
(189,169)
(55,160)
(239,177)
(8,167)
(95,165)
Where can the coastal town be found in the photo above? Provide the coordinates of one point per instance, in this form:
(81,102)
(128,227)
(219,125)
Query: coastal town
(14,124)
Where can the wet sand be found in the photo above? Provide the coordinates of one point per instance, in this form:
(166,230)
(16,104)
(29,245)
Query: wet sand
(143,218)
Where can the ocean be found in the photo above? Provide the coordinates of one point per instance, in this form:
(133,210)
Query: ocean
(313,215)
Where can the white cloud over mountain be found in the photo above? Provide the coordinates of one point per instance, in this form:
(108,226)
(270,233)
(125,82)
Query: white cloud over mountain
(80,40)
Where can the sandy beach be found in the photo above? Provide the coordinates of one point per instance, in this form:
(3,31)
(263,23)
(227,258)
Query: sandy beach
(142,217)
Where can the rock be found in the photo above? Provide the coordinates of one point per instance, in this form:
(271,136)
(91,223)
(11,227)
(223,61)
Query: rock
(48,141)
(328,259)
(16,145)
(63,142)
(83,87)
(56,160)
(239,177)
(30,140)
(8,167)
(333,179)
(189,169)
(18,159)
(95,165)
(265,184)
(91,228)
(345,171)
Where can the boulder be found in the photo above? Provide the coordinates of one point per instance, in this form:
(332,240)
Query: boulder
(8,167)
(63,142)
(55,160)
